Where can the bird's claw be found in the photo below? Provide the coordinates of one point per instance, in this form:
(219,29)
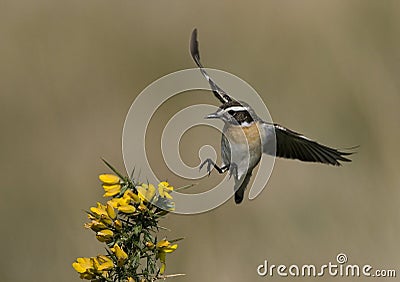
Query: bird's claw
(209,163)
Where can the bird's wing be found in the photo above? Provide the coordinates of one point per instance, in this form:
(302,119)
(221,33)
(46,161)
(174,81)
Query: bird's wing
(292,145)
(194,51)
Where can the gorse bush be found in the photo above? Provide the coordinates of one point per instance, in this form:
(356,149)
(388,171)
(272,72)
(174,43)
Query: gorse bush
(128,224)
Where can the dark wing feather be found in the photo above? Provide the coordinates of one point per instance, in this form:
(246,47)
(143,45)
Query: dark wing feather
(194,51)
(292,145)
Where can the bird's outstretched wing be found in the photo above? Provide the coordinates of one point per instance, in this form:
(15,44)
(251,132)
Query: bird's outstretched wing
(194,51)
(292,145)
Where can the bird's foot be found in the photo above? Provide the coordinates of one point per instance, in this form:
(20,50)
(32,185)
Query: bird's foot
(210,163)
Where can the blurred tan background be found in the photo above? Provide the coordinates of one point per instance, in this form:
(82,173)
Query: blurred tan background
(69,71)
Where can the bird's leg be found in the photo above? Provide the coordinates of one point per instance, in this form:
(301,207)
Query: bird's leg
(210,163)
(233,170)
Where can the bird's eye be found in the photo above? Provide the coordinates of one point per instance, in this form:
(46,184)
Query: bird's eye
(231,112)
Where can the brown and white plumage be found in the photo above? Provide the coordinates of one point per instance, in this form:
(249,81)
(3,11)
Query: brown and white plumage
(274,139)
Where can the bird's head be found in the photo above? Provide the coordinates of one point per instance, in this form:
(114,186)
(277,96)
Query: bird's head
(235,113)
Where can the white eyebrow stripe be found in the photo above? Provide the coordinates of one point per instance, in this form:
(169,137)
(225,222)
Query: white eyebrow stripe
(236,109)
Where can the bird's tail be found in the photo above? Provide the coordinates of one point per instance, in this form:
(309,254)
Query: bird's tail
(240,187)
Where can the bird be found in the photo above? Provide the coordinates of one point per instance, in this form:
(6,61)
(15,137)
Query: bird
(246,137)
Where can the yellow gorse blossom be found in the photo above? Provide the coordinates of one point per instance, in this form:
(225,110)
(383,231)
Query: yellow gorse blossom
(103,213)
(109,179)
(111,184)
(128,224)
(89,268)
(103,263)
(95,225)
(164,189)
(146,192)
(111,190)
(123,204)
(99,210)
(149,245)
(164,247)
(120,254)
(105,235)
(103,217)
(133,197)
(127,209)
(118,224)
(83,265)
(110,211)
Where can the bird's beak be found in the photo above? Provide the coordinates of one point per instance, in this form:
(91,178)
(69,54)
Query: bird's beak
(213,115)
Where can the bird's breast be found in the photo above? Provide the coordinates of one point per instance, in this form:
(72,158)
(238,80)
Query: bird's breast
(245,145)
(244,135)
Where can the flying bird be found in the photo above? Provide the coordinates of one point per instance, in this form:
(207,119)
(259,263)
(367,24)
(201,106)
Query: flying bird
(246,137)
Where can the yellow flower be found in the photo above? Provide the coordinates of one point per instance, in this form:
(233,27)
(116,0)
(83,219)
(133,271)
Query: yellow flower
(162,257)
(105,235)
(146,192)
(162,244)
(123,204)
(111,190)
(103,263)
(110,211)
(85,267)
(129,193)
(114,202)
(120,254)
(149,245)
(127,209)
(103,213)
(99,210)
(90,268)
(95,225)
(142,206)
(82,265)
(118,224)
(164,189)
(164,247)
(108,178)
